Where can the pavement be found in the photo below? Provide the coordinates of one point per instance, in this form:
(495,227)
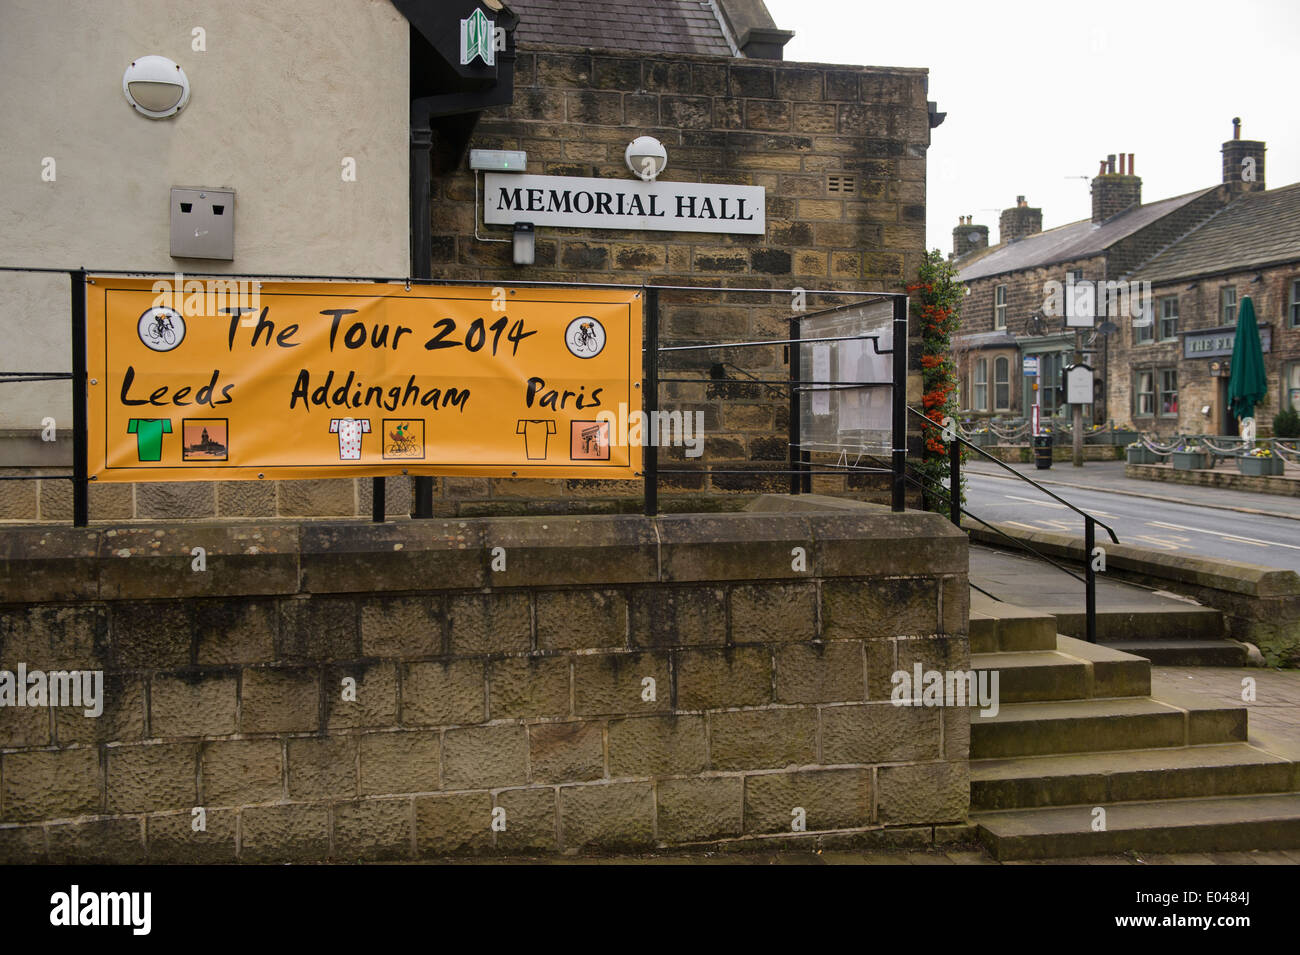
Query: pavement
(1029,582)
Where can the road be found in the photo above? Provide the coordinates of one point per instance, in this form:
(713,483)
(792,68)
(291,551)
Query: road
(1161,525)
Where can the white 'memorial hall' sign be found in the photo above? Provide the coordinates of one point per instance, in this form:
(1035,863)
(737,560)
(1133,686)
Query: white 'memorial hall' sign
(623,204)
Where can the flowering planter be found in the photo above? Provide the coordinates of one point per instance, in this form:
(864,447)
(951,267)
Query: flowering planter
(1259,467)
(1142,456)
(1190,460)
(1122,438)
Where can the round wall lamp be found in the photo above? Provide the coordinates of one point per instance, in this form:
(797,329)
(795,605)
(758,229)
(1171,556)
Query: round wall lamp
(646,157)
(156,86)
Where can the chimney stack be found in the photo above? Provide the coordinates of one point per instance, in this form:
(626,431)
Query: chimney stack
(967,238)
(1243,162)
(1115,188)
(1019,221)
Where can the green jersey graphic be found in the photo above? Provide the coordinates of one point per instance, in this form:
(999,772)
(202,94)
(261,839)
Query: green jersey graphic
(148,436)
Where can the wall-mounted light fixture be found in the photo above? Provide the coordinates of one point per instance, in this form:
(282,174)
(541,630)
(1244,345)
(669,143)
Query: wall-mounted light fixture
(1191,287)
(156,86)
(646,157)
(525,244)
(498,160)
(1259,277)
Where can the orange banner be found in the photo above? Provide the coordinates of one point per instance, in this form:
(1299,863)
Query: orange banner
(214,380)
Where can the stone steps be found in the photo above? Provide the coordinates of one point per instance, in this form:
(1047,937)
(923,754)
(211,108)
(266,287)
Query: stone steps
(1119,624)
(1077,730)
(1183,653)
(1099,779)
(1077,670)
(1092,725)
(1216,824)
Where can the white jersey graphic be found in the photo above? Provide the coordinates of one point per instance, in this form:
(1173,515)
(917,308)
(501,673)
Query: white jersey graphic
(350,431)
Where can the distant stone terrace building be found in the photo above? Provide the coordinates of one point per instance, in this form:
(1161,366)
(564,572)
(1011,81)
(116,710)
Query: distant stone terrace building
(1201,252)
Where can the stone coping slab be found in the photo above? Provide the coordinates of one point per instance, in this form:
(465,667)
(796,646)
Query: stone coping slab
(168,560)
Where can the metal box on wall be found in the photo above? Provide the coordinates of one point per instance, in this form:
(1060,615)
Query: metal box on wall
(203,223)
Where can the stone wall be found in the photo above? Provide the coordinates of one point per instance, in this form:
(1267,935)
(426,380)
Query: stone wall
(501,672)
(1228,478)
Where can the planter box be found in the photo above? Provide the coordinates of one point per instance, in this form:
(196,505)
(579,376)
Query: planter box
(1190,460)
(1141,456)
(1259,467)
(1123,438)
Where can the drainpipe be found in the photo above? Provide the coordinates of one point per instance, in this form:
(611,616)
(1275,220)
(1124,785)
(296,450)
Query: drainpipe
(423,112)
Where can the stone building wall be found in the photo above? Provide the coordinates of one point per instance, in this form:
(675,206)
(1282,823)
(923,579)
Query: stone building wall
(498,665)
(1199,308)
(840,151)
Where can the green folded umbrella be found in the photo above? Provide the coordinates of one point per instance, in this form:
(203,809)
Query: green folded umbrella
(1248,384)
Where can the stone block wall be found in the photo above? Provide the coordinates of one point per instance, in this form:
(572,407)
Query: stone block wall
(348,691)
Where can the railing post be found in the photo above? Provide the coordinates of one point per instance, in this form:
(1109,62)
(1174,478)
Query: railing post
(650,403)
(793,451)
(80,439)
(954,478)
(1090,577)
(900,403)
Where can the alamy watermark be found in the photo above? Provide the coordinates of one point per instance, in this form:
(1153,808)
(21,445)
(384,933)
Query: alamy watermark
(660,429)
(1084,298)
(192,297)
(83,689)
(924,687)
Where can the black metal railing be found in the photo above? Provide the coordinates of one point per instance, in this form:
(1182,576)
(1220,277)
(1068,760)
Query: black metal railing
(1090,524)
(800,469)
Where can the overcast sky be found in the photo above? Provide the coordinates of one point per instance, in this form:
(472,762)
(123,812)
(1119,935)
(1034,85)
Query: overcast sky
(1038,92)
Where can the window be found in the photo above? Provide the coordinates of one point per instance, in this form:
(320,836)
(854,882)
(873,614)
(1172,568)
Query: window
(1228,304)
(1000,307)
(1291,385)
(1294,309)
(1050,365)
(1144,330)
(981,388)
(1169,318)
(1144,394)
(1002,384)
(1169,392)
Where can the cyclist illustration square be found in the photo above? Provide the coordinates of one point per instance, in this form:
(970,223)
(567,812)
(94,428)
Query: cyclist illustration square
(403,438)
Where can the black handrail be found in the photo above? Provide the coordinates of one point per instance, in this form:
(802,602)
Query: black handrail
(955,441)
(1008,468)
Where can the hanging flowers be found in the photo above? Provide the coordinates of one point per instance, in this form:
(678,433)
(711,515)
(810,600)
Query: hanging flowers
(936,300)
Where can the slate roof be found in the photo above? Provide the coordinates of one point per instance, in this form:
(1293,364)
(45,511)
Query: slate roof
(1255,230)
(660,26)
(1074,241)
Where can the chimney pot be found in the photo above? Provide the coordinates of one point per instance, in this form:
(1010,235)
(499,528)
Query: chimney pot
(1236,127)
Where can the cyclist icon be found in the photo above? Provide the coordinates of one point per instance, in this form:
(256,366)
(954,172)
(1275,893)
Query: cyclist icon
(161,328)
(585,337)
